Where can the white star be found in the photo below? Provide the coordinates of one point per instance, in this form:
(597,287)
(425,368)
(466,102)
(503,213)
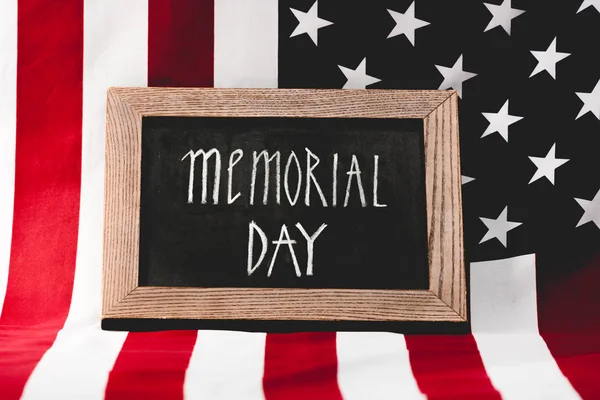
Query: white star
(502,15)
(591,210)
(309,23)
(500,121)
(547,165)
(466,179)
(589,3)
(406,23)
(547,60)
(591,102)
(455,76)
(358,78)
(497,228)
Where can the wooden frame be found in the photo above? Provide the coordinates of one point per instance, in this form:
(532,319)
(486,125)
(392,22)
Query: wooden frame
(123,298)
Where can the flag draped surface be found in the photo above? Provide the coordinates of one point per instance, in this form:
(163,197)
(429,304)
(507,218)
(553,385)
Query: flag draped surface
(528,76)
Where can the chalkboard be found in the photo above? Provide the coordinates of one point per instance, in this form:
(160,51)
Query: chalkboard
(195,234)
(283,206)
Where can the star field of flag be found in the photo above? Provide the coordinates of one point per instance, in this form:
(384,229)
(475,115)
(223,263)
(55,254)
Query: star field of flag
(528,76)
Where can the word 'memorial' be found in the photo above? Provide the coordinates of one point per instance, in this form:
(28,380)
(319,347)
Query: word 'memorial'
(308,177)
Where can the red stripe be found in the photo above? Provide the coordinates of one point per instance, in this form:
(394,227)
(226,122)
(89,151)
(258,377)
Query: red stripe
(301,366)
(569,317)
(47,185)
(180,42)
(151,365)
(449,367)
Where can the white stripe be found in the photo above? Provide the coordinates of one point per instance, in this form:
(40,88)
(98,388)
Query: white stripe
(8,123)
(226,365)
(504,324)
(115,54)
(246,43)
(375,365)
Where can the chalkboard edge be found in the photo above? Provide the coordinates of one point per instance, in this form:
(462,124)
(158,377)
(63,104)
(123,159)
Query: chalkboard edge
(126,106)
(285,326)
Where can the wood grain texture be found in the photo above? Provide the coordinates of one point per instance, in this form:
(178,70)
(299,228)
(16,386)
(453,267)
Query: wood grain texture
(444,301)
(283,304)
(313,103)
(444,206)
(121,201)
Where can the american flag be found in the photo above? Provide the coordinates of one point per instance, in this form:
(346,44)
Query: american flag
(528,75)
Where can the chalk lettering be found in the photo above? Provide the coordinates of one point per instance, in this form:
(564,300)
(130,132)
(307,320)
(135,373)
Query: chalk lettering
(310,245)
(263,238)
(286,179)
(334,185)
(256,159)
(311,178)
(272,162)
(355,171)
(290,243)
(205,157)
(376,182)
(239,153)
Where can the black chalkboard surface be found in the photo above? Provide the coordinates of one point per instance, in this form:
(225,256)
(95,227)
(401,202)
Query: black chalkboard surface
(344,204)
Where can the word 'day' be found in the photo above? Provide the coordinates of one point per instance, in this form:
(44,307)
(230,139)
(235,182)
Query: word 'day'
(284,238)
